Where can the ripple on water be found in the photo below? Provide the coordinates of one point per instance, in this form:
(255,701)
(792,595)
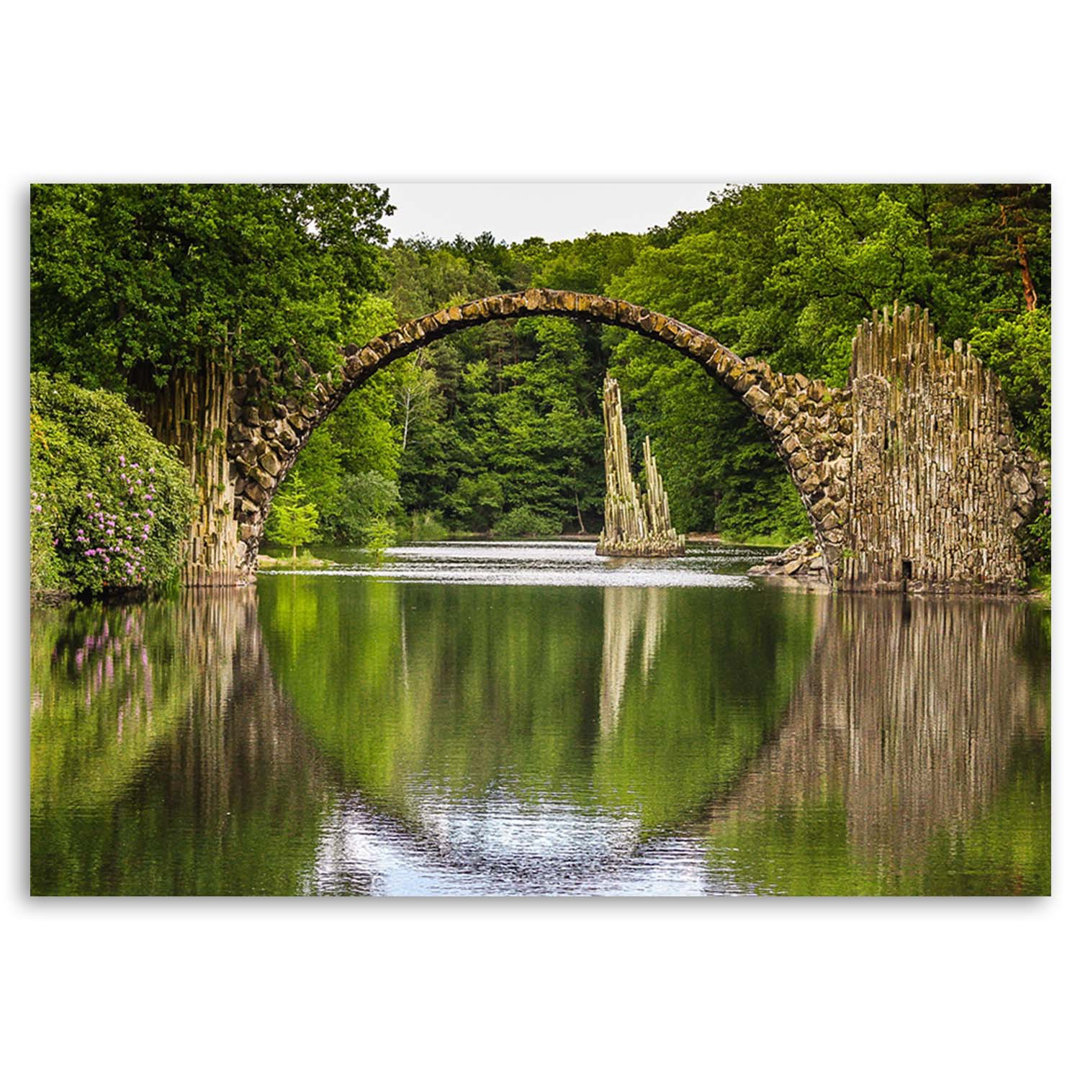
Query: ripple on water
(550,563)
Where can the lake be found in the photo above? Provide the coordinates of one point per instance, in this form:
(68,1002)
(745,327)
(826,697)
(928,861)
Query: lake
(529,719)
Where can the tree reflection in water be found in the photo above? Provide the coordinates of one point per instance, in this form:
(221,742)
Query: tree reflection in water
(330,735)
(208,786)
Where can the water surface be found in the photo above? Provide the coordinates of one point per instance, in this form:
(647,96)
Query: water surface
(529,719)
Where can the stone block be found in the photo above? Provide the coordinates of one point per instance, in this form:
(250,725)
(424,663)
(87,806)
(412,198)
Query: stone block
(742,382)
(757,400)
(270,463)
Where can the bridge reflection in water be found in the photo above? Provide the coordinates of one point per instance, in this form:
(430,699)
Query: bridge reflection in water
(612,741)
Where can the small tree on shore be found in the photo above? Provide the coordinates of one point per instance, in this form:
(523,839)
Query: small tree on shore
(292,521)
(379,535)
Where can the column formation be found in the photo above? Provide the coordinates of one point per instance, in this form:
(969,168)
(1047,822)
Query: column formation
(636,523)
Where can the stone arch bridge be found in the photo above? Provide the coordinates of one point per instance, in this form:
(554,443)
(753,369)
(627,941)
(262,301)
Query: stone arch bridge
(911,474)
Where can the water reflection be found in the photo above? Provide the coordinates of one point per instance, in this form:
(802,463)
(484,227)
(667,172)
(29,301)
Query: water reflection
(208,786)
(914,755)
(346,734)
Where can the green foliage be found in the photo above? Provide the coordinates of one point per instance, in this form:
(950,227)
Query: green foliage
(477,501)
(132,283)
(293,520)
(1018,351)
(110,506)
(380,534)
(348,468)
(364,501)
(522,521)
(425,526)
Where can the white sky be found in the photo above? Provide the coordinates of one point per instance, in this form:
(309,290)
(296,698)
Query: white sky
(514,211)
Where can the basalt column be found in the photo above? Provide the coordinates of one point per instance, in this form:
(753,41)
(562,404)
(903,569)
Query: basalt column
(940,486)
(635,523)
(192,414)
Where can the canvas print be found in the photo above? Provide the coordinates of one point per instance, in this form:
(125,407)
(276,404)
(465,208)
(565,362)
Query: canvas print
(540,539)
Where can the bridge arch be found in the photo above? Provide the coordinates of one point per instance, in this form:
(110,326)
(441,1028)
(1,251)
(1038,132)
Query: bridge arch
(809,424)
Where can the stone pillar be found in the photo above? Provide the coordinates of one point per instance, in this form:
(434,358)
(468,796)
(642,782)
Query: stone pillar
(940,485)
(636,523)
(192,414)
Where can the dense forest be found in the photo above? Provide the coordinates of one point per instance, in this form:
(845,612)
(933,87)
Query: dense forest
(498,429)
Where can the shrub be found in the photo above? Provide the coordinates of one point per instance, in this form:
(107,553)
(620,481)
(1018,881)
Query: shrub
(423,526)
(477,501)
(523,521)
(379,535)
(110,505)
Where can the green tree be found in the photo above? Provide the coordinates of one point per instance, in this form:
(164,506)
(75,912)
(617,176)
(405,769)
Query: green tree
(131,284)
(380,535)
(1018,351)
(292,521)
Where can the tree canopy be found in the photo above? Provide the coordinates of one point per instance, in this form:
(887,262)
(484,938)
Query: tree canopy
(131,283)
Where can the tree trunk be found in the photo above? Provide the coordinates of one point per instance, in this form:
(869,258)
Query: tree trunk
(1030,299)
(192,413)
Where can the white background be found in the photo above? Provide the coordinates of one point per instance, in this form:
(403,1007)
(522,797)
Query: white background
(671,92)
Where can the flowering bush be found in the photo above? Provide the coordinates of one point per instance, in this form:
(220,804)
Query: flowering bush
(109,504)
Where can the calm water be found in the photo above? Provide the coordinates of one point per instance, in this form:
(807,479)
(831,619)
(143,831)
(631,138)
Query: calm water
(529,719)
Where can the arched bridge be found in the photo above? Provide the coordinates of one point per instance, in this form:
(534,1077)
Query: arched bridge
(910,474)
